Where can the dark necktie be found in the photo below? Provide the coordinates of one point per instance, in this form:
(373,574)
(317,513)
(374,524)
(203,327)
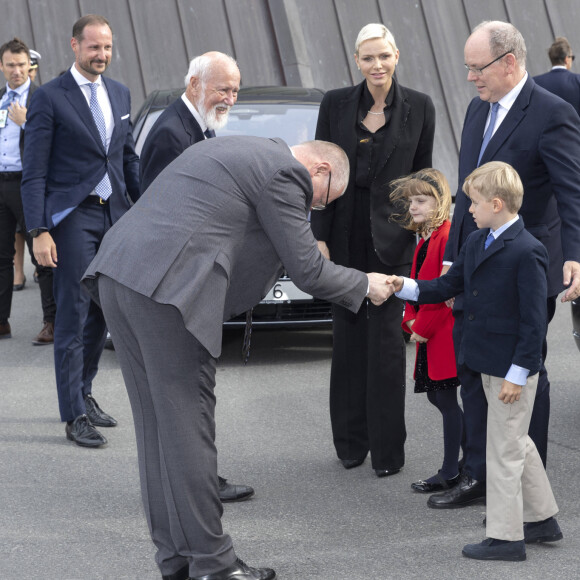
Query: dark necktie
(209,133)
(103,189)
(489,132)
(247,337)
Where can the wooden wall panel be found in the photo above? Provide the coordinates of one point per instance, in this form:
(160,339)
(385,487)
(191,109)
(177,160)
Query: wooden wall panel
(478,11)
(15,21)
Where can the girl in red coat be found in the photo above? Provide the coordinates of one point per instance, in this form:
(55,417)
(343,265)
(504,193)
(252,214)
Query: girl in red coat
(426,199)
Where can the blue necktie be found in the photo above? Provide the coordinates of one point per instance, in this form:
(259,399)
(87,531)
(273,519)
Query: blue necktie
(209,133)
(11,98)
(489,132)
(488,240)
(103,189)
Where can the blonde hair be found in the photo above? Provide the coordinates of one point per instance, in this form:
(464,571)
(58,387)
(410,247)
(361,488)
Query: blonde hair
(372,31)
(497,179)
(430,182)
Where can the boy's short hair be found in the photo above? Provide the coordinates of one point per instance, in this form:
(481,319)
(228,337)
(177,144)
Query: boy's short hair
(497,179)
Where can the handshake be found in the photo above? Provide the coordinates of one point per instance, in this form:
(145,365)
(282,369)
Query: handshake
(382,287)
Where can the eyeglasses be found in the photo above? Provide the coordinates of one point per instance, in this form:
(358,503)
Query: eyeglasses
(479,71)
(320,205)
(572,56)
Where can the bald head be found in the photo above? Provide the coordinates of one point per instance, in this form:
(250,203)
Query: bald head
(211,85)
(321,159)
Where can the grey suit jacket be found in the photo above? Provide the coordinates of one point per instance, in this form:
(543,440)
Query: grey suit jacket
(211,233)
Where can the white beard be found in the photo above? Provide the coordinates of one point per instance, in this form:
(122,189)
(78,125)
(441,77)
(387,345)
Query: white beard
(212,119)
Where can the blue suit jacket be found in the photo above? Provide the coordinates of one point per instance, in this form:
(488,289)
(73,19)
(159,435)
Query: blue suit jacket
(174,131)
(540,138)
(505,300)
(563,83)
(64,157)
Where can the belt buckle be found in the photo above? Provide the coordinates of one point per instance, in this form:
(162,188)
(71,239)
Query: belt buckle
(102,201)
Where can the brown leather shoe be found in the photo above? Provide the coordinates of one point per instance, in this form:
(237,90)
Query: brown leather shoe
(5,331)
(45,336)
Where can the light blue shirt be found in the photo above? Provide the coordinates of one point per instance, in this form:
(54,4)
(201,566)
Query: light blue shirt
(10,134)
(410,291)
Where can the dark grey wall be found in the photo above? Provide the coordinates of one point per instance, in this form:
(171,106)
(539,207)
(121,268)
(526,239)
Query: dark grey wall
(294,42)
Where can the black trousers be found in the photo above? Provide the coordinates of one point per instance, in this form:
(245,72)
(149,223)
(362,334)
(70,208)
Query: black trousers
(475,406)
(11,215)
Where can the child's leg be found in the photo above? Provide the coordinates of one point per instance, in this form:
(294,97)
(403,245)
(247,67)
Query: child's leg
(446,402)
(507,435)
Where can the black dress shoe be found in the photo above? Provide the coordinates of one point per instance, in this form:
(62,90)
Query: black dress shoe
(97,416)
(231,492)
(491,549)
(182,574)
(350,463)
(387,472)
(83,433)
(468,491)
(239,571)
(5,331)
(440,485)
(18,287)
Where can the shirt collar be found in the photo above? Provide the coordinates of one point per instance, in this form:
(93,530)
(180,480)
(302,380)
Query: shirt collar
(23,88)
(508,100)
(194,112)
(502,229)
(559,66)
(80,79)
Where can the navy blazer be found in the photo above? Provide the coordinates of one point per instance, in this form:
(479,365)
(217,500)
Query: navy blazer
(64,157)
(563,83)
(540,138)
(408,147)
(174,131)
(505,300)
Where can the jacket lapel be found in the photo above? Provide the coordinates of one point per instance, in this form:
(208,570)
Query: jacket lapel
(348,110)
(498,244)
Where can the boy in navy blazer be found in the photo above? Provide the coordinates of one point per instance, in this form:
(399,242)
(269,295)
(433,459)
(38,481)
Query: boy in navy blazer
(501,270)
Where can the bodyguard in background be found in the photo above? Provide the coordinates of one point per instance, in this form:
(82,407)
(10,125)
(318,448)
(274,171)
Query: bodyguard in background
(386,131)
(561,80)
(80,168)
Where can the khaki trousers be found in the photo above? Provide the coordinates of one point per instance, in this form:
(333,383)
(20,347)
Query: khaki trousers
(518,489)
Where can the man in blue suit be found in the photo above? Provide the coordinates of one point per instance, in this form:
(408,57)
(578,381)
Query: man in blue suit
(515,121)
(80,168)
(560,80)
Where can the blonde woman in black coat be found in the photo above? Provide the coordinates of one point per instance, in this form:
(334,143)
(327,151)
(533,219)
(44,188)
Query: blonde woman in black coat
(387,132)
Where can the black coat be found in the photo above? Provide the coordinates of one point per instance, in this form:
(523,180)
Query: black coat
(408,147)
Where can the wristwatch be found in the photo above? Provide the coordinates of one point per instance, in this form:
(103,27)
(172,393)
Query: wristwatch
(36,232)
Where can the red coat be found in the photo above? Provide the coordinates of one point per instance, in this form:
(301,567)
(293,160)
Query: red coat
(434,321)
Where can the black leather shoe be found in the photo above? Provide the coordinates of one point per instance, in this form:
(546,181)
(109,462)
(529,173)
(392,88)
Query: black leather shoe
(83,433)
(18,287)
(182,574)
(540,532)
(239,571)
(350,463)
(440,485)
(97,416)
(468,491)
(231,492)
(5,331)
(491,549)
(387,472)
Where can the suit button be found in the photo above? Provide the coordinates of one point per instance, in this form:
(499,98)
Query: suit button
(470,317)
(475,292)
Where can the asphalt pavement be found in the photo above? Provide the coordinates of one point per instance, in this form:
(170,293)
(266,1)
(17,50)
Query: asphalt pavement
(69,513)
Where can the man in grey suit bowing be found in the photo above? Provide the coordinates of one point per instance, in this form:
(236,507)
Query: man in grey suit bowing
(204,243)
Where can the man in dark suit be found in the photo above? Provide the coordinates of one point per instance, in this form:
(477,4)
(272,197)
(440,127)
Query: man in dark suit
(80,167)
(560,80)
(226,214)
(211,89)
(14,100)
(539,135)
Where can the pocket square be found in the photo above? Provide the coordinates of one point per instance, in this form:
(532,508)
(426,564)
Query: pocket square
(125,116)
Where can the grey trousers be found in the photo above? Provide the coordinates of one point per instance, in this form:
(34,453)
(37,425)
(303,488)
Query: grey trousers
(170,379)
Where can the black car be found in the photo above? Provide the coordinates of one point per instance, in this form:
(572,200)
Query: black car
(286,112)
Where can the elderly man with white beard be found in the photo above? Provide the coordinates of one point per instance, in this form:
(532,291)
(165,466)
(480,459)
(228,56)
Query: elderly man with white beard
(211,89)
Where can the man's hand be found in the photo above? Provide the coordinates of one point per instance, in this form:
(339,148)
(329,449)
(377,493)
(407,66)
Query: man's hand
(509,392)
(44,250)
(396,281)
(17,113)
(324,249)
(379,289)
(572,278)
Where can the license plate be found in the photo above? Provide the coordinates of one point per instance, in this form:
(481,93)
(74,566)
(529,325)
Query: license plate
(283,291)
